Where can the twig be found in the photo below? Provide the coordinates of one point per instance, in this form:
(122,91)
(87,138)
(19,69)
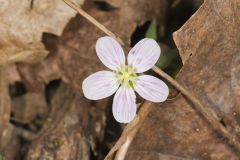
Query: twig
(124,148)
(129,133)
(4,107)
(206,112)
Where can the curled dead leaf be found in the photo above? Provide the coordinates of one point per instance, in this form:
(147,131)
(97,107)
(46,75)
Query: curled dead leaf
(22,24)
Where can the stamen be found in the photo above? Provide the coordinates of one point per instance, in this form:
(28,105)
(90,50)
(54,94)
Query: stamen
(131,84)
(126,76)
(120,73)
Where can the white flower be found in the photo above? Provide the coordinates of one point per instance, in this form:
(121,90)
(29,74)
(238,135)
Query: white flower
(125,79)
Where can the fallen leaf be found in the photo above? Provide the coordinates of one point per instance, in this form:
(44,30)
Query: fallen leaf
(214,80)
(67,134)
(22,24)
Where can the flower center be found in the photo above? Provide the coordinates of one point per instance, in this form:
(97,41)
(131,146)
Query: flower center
(126,76)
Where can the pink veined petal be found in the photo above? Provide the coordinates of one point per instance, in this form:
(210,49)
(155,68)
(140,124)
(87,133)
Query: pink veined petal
(124,105)
(152,88)
(144,55)
(100,85)
(110,52)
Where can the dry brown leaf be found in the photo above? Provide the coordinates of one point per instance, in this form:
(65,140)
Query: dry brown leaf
(209,46)
(207,27)
(67,134)
(216,83)
(22,24)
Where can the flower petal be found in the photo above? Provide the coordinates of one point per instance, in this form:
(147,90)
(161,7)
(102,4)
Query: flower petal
(124,105)
(100,85)
(144,55)
(110,52)
(152,88)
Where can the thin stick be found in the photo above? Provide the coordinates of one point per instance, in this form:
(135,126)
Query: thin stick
(206,112)
(124,148)
(130,131)
(5,108)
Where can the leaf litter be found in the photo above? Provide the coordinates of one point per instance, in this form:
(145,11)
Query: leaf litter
(173,130)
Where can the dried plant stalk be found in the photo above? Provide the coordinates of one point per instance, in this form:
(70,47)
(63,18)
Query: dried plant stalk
(4,110)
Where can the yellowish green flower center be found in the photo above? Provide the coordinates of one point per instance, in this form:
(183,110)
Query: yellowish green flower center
(126,76)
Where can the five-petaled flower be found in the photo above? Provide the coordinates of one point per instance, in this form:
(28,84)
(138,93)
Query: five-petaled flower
(125,79)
